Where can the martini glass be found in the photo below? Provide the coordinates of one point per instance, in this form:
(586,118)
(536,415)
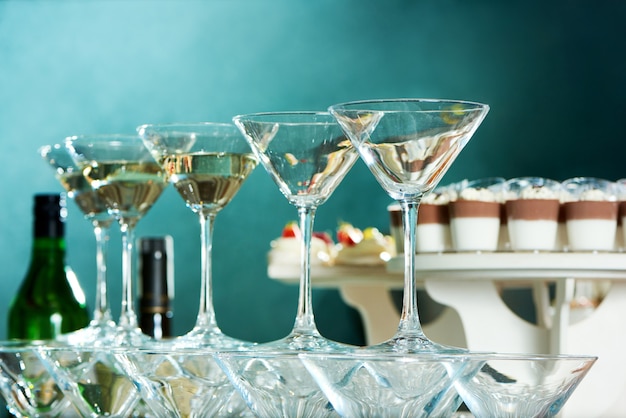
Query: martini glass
(521,385)
(408,145)
(128,179)
(101,329)
(26,385)
(307,155)
(390,385)
(207,163)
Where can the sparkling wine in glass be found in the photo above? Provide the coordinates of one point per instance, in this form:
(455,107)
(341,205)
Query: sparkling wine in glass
(408,145)
(102,329)
(307,155)
(127,178)
(207,163)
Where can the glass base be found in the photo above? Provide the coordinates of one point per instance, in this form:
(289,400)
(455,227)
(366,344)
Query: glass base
(297,341)
(96,334)
(413,344)
(131,337)
(209,338)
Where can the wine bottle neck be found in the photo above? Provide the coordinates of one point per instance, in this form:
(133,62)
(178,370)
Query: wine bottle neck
(44,245)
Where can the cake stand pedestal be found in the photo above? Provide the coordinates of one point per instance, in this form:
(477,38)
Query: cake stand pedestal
(477,318)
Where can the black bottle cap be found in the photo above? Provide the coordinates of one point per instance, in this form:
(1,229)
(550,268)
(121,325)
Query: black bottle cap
(154,272)
(49,215)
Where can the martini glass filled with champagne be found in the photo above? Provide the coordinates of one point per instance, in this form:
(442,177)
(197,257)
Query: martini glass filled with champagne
(207,163)
(102,329)
(129,181)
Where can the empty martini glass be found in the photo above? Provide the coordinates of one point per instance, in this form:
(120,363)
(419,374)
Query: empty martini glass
(307,155)
(521,385)
(128,179)
(408,145)
(390,385)
(101,330)
(207,163)
(26,385)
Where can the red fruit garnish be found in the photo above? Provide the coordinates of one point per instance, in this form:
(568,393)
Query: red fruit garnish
(324,236)
(348,235)
(291,230)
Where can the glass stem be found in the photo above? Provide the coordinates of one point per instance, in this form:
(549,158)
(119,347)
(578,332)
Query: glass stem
(305,322)
(409,319)
(102,311)
(206,314)
(128,316)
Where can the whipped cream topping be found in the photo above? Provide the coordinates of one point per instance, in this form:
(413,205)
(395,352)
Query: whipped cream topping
(482,195)
(593,195)
(436,198)
(537,193)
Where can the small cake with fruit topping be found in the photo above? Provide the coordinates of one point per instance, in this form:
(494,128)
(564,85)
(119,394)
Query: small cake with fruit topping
(363,248)
(286,248)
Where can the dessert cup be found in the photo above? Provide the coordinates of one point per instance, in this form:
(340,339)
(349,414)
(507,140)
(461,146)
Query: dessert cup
(433,223)
(591,209)
(532,210)
(621,220)
(475,215)
(395,226)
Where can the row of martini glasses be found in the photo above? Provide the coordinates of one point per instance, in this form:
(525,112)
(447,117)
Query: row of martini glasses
(407,144)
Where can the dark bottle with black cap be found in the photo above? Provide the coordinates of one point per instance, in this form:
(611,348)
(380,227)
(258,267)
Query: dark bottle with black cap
(156,287)
(50,300)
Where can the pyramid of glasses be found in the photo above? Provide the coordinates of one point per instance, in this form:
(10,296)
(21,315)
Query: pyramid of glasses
(112,369)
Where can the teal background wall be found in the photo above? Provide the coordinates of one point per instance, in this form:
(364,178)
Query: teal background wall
(554,73)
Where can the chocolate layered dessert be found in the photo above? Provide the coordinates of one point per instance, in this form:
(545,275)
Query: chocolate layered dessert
(532,210)
(474,223)
(433,224)
(504,241)
(591,224)
(621,231)
(395,226)
(591,212)
(532,224)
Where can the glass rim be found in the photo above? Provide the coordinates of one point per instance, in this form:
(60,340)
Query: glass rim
(283,117)
(471,105)
(42,150)
(530,356)
(165,125)
(111,137)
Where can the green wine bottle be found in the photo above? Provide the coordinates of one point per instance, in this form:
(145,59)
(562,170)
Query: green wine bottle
(50,300)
